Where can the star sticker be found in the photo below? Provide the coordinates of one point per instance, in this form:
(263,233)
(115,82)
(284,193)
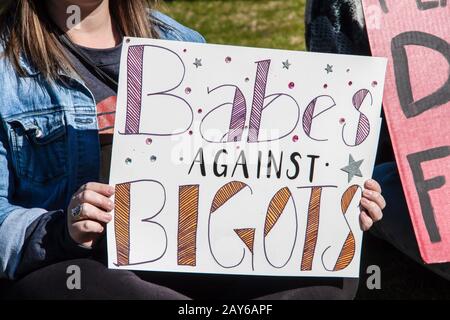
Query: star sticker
(198,63)
(329,68)
(353,168)
(286,64)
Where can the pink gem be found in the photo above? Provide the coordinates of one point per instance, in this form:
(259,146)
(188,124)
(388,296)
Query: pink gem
(342,120)
(295,138)
(188,90)
(291,85)
(184,50)
(350,83)
(149,141)
(228,59)
(374,84)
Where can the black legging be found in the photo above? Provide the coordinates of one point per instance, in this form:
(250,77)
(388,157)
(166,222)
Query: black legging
(99,282)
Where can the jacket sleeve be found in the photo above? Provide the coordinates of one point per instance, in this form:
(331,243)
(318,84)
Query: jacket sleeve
(336,26)
(29,238)
(169,29)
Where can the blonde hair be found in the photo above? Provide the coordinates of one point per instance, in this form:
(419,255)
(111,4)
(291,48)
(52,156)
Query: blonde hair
(26,29)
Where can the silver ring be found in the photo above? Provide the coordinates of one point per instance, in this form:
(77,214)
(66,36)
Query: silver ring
(76,212)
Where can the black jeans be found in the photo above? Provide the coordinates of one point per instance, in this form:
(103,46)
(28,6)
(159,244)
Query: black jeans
(396,226)
(99,282)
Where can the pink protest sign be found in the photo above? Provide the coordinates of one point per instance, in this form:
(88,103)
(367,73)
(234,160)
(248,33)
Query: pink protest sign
(415,36)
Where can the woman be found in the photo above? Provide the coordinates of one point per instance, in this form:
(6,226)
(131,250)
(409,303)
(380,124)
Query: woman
(57,103)
(338,26)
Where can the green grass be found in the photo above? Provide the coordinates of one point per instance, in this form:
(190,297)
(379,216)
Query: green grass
(257,23)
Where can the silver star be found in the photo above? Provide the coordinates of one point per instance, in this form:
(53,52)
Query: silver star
(198,63)
(329,68)
(286,64)
(353,168)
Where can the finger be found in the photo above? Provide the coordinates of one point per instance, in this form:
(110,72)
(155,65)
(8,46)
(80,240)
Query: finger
(89,227)
(373,209)
(375,197)
(101,188)
(90,212)
(96,199)
(372,185)
(365,221)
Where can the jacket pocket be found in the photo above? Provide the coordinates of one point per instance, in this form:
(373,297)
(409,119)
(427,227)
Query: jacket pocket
(39,146)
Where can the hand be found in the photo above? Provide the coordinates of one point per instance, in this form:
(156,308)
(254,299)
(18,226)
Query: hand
(89,212)
(372,204)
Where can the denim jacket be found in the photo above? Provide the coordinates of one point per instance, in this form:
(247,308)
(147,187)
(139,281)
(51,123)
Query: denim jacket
(49,147)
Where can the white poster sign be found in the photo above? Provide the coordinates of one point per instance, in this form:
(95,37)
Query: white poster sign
(235,160)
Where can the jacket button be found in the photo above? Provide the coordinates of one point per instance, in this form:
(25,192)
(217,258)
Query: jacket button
(38,133)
